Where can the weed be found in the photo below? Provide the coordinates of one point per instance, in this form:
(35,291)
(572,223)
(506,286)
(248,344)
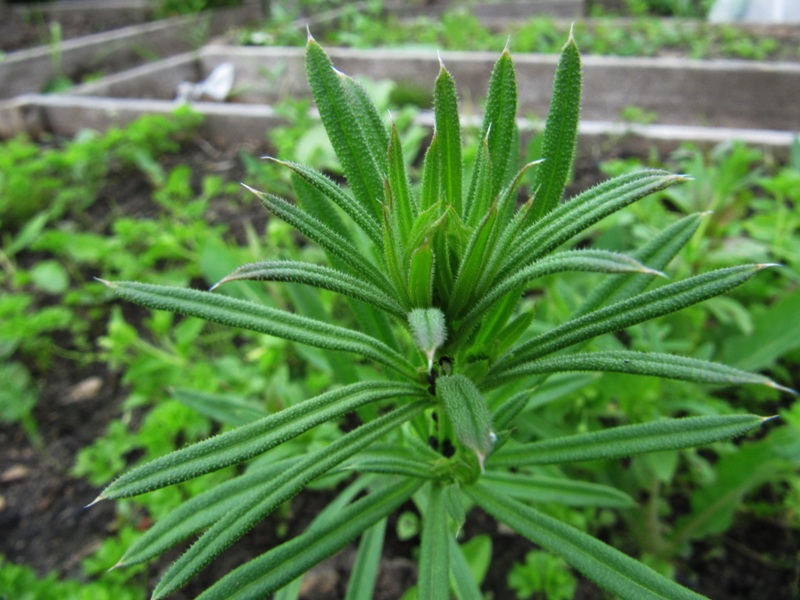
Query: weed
(434,275)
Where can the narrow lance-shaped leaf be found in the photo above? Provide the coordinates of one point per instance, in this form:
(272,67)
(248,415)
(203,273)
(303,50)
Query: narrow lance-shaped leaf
(361,585)
(431,176)
(610,568)
(393,251)
(654,364)
(472,263)
(243,443)
(500,119)
(598,261)
(509,234)
(317,276)
(434,564)
(628,440)
(448,133)
(254,317)
(568,492)
(661,301)
(468,413)
(560,132)
(323,235)
(260,577)
(235,524)
(427,224)
(443,275)
(495,319)
(368,117)
(393,462)
(480,194)
(404,209)
(420,277)
(361,217)
(343,129)
(657,254)
(569,219)
(200,512)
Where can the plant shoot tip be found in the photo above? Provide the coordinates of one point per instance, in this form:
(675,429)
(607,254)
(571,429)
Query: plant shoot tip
(762,266)
(103,281)
(770,418)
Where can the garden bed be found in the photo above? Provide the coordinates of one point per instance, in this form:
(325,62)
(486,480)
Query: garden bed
(24,27)
(700,101)
(91,56)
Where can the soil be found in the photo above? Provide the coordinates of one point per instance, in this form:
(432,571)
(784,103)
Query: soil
(20,30)
(45,526)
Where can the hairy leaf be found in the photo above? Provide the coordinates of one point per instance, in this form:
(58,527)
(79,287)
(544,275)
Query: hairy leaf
(251,440)
(560,132)
(469,414)
(646,306)
(277,567)
(259,504)
(610,568)
(317,276)
(247,315)
(434,569)
(334,100)
(540,488)
(448,133)
(628,440)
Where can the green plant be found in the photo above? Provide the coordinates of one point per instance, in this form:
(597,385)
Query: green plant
(435,275)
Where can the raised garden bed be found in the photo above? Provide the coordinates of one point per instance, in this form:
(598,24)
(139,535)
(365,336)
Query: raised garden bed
(700,101)
(30,71)
(26,26)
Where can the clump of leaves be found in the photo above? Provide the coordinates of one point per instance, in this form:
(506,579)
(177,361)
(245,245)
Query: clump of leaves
(434,274)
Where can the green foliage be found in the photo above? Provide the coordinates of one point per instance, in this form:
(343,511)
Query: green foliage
(442,269)
(542,575)
(22,583)
(643,33)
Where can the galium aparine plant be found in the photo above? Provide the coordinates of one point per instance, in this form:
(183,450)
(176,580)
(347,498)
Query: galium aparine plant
(434,273)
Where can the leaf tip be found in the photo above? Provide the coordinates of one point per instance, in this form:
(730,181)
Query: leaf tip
(762,266)
(119,564)
(95,501)
(655,272)
(247,187)
(104,282)
(782,388)
(309,37)
(770,418)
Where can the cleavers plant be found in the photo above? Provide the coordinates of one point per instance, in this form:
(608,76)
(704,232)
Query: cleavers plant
(434,275)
